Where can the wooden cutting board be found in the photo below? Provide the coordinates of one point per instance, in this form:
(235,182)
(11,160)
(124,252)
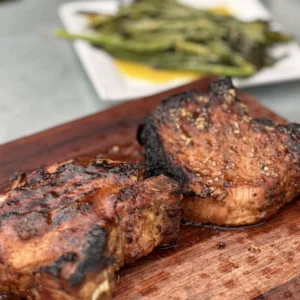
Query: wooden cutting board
(196,268)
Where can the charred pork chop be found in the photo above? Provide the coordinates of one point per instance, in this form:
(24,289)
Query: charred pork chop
(65,229)
(232,168)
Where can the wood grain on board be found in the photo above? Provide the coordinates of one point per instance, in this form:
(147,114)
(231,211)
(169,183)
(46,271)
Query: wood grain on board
(196,268)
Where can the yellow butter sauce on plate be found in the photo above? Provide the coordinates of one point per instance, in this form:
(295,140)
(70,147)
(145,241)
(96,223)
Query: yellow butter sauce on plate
(150,74)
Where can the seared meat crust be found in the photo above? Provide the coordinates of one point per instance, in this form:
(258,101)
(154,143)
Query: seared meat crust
(233,169)
(65,229)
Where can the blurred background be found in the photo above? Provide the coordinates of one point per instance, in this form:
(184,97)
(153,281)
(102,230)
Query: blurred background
(43,84)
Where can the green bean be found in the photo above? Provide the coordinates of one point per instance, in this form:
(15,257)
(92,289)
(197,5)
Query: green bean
(194,48)
(120,42)
(182,61)
(277,37)
(149,25)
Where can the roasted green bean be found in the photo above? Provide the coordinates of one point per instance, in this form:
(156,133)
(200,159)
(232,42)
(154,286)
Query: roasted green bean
(169,35)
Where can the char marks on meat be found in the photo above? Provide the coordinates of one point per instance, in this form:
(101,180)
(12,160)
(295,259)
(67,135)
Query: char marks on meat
(232,168)
(65,229)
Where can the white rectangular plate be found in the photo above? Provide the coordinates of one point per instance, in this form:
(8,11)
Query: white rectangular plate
(112,85)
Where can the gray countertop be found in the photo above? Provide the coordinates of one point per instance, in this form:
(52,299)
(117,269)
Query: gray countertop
(42,83)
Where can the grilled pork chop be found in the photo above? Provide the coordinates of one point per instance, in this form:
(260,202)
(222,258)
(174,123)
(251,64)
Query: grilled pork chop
(65,229)
(233,169)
